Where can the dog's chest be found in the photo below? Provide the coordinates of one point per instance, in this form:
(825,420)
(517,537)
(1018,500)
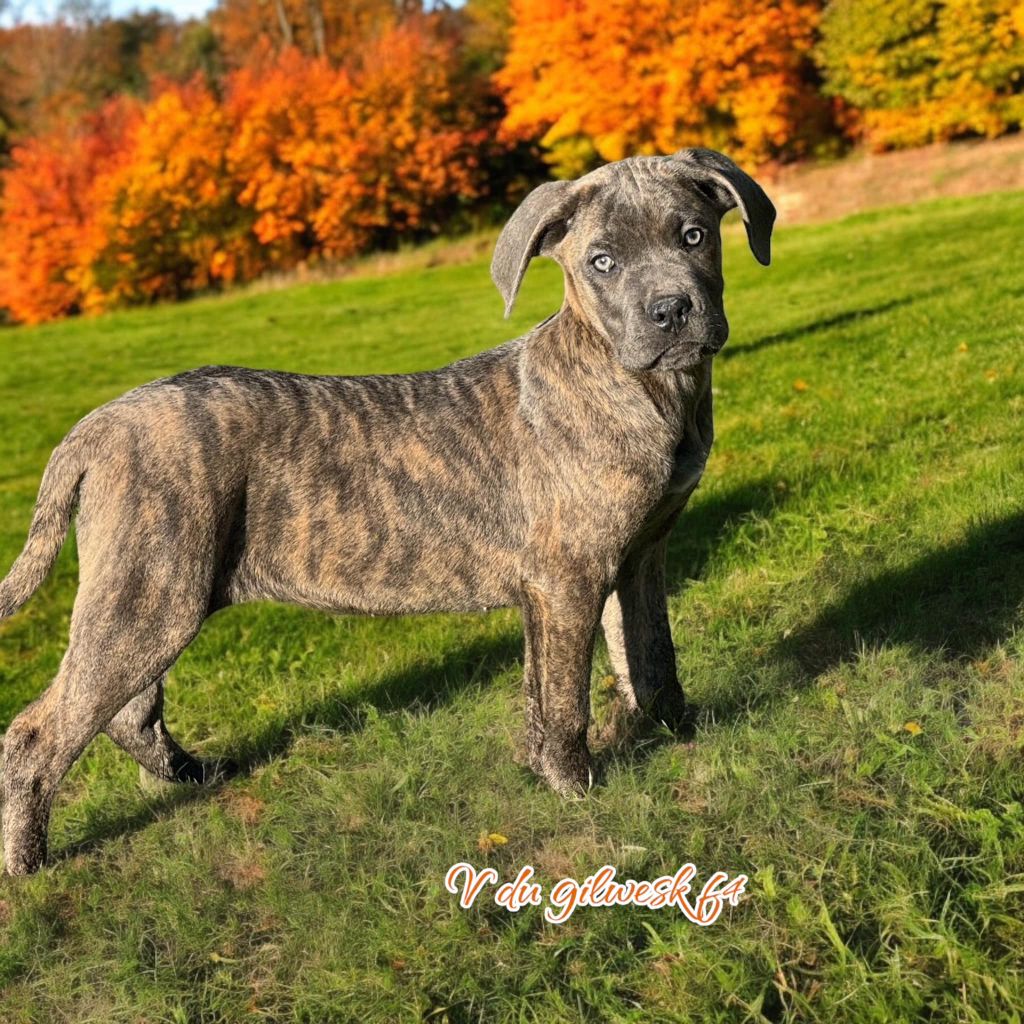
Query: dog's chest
(692,445)
(688,462)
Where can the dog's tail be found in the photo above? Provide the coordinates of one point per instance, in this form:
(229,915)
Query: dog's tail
(58,494)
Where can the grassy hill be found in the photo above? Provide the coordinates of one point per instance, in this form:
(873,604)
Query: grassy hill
(847,588)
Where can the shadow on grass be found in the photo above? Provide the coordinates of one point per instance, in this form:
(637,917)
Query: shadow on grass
(836,320)
(706,524)
(958,600)
(418,686)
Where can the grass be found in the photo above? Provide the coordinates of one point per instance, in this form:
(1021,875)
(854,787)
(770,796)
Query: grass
(852,564)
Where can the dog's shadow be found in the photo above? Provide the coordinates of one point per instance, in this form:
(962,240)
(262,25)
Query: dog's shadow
(802,331)
(959,600)
(420,686)
(955,602)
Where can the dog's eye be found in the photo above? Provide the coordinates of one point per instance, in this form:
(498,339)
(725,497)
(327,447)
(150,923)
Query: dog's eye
(603,263)
(693,237)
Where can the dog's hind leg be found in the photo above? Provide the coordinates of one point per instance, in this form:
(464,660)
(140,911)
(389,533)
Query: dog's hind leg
(40,746)
(139,729)
(112,658)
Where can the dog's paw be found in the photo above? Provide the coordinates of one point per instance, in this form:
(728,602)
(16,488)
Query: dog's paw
(671,711)
(188,770)
(569,772)
(205,772)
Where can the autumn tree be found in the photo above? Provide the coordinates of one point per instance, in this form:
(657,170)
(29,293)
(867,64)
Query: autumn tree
(49,212)
(51,73)
(251,30)
(302,159)
(485,29)
(168,222)
(603,79)
(926,70)
(331,159)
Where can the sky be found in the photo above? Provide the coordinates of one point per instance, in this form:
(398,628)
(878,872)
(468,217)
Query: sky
(182,8)
(42,10)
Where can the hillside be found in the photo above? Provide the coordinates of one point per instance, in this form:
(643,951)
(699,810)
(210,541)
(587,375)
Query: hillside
(847,589)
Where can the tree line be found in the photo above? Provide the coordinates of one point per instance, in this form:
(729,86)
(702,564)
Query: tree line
(145,158)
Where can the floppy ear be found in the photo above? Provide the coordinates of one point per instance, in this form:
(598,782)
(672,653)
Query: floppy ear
(734,187)
(526,234)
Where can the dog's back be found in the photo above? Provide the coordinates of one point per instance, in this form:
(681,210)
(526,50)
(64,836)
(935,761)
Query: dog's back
(347,493)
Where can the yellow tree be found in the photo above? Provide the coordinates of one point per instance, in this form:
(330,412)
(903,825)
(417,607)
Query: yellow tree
(926,70)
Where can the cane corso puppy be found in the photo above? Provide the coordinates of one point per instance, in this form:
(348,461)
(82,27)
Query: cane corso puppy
(545,473)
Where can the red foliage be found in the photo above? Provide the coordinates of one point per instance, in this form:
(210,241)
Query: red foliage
(48,217)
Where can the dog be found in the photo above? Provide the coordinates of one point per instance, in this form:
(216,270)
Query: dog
(545,474)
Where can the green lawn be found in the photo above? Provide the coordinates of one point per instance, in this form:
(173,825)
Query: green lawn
(853,564)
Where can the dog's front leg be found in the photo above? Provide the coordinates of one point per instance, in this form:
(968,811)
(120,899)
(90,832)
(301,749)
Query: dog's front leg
(560,620)
(636,630)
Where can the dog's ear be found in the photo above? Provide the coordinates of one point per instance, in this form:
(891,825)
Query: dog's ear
(539,222)
(733,187)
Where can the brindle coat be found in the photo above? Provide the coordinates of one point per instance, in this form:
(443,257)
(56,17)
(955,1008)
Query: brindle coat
(545,473)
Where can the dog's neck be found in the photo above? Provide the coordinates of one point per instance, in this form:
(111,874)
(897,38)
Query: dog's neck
(574,357)
(572,377)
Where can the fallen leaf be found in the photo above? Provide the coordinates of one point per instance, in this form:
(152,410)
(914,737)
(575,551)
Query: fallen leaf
(489,840)
(913,728)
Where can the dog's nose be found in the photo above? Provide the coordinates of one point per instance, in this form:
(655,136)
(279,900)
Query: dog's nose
(669,311)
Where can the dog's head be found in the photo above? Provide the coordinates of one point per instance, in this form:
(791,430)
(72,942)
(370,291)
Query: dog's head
(639,243)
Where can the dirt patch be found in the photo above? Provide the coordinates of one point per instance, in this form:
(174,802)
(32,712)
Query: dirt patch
(863,181)
(242,873)
(246,808)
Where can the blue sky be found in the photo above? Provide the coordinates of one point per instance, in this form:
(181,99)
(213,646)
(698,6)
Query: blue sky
(42,10)
(182,8)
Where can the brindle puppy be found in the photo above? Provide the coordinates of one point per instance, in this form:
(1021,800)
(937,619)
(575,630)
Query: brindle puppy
(545,473)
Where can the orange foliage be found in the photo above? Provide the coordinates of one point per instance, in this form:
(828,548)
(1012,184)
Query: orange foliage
(609,78)
(332,157)
(167,222)
(49,209)
(299,160)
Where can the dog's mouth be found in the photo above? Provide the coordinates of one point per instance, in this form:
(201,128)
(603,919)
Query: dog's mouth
(683,355)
